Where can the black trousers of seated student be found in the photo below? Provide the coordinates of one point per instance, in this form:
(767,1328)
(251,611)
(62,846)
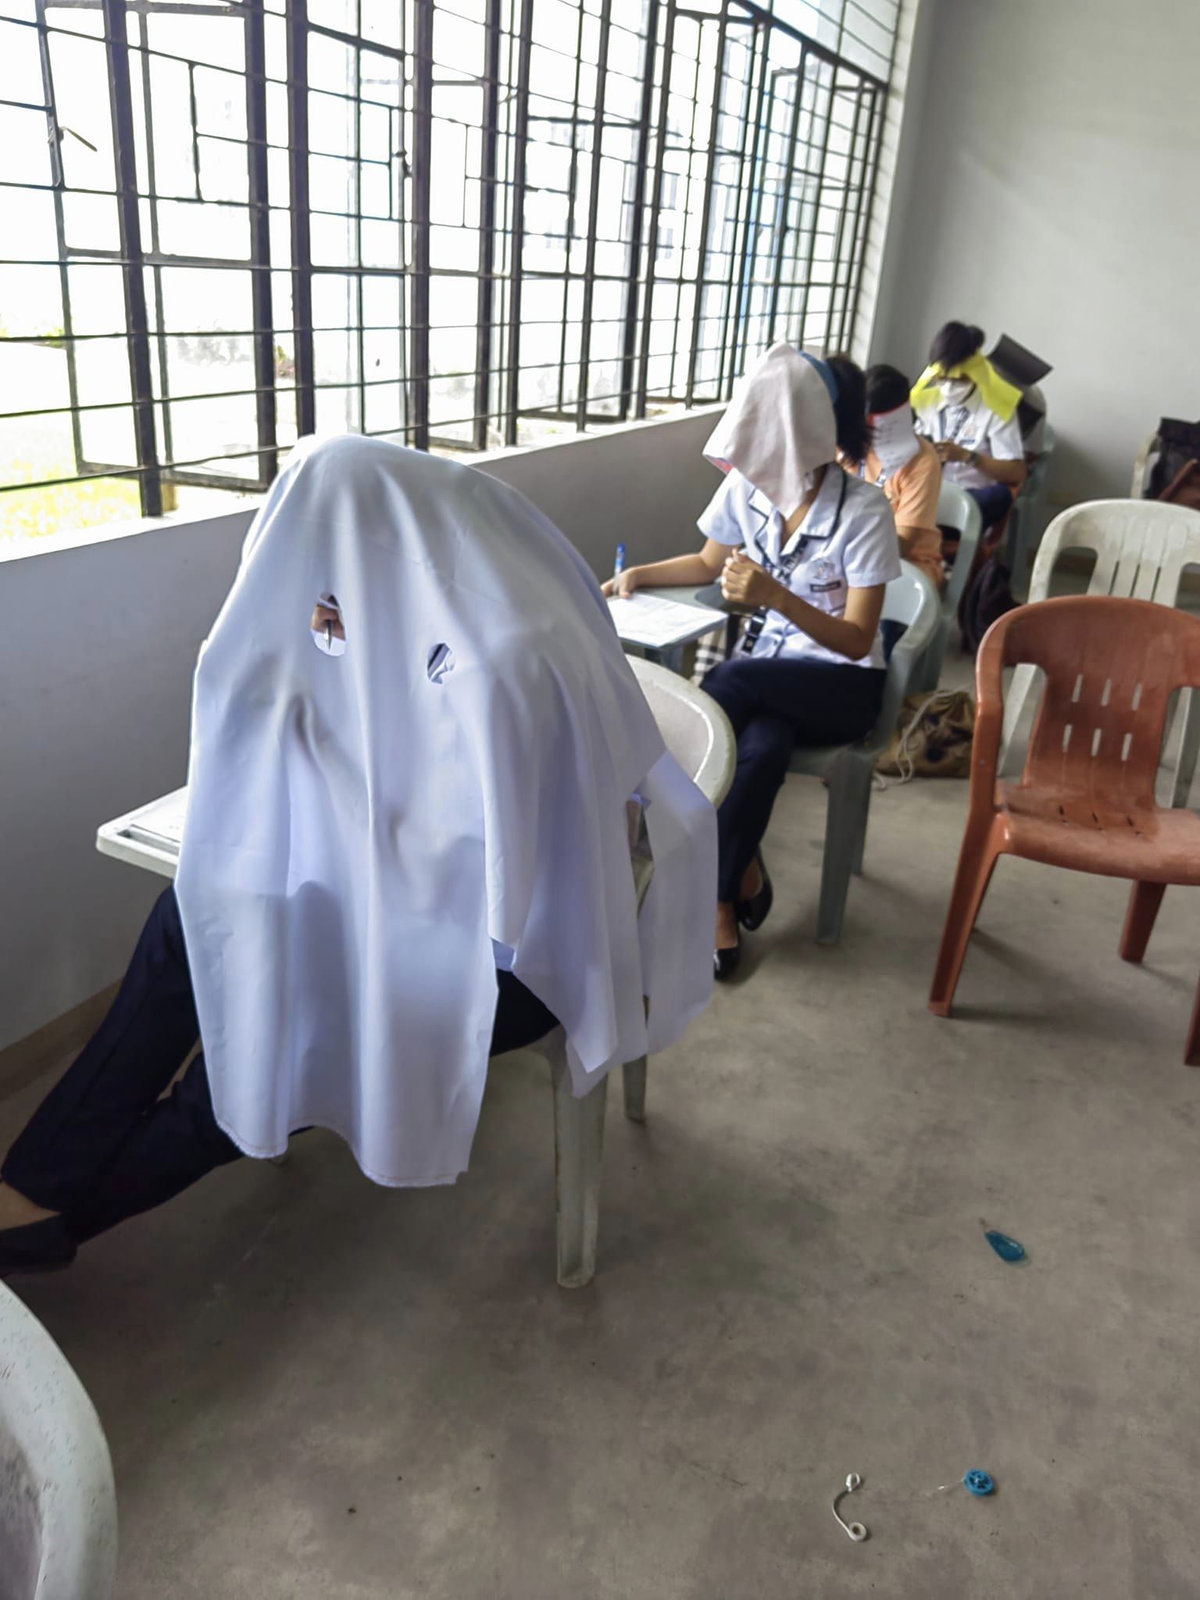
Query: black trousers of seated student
(107,1142)
(774,704)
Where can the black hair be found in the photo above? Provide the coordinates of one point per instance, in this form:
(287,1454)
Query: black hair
(887,389)
(850,407)
(954,343)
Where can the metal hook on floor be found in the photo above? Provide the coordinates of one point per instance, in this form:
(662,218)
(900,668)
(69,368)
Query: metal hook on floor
(855,1530)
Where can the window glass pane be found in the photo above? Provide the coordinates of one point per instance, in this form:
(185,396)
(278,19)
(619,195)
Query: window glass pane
(745,222)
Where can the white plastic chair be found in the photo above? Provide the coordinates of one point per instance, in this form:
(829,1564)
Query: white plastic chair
(957,510)
(1141,549)
(58,1507)
(1022,519)
(1144,465)
(697,733)
(849,768)
(694,728)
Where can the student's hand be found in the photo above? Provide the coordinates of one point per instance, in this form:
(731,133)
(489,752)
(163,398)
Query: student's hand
(327,617)
(949,451)
(745,583)
(622,586)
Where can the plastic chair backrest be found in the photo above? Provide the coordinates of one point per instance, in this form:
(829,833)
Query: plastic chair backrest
(1141,548)
(1111,666)
(694,727)
(1143,466)
(1035,480)
(956,509)
(912,599)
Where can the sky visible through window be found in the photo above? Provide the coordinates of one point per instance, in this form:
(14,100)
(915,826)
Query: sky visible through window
(459,225)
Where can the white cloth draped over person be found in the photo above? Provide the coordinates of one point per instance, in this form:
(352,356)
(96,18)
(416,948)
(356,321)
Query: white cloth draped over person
(371,833)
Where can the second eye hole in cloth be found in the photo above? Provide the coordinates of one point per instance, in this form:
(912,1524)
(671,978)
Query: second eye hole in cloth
(439,662)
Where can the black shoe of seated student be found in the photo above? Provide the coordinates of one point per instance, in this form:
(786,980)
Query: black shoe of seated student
(753,913)
(42,1246)
(725,962)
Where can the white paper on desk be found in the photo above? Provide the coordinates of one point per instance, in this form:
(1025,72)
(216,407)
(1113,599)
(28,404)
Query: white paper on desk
(161,823)
(658,623)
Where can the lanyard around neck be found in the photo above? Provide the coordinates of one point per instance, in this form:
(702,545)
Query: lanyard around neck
(787,564)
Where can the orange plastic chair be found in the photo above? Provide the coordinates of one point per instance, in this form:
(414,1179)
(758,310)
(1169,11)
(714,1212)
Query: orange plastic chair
(1086,797)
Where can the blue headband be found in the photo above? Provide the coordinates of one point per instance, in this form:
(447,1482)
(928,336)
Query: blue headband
(827,376)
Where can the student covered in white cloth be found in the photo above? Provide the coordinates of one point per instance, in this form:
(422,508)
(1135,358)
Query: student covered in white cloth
(969,412)
(407,847)
(809,549)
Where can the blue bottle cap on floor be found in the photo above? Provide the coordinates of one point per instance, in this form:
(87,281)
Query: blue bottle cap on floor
(979,1482)
(1007,1249)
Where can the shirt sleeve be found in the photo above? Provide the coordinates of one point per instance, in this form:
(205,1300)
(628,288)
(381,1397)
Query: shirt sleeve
(872,550)
(918,486)
(720,519)
(1004,442)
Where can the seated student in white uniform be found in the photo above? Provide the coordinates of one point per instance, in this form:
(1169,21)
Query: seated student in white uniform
(407,846)
(970,413)
(906,468)
(812,550)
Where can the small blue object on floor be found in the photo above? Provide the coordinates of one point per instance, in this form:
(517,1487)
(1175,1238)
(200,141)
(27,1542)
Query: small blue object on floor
(1007,1249)
(978,1482)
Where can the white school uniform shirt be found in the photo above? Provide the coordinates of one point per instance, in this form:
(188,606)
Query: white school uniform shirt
(974,426)
(847,541)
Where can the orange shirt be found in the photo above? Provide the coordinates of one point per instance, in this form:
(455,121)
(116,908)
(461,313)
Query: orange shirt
(913,494)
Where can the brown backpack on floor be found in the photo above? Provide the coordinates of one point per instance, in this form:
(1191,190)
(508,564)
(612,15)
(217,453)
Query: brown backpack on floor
(932,738)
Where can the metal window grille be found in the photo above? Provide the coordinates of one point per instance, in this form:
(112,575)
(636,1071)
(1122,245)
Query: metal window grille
(454,223)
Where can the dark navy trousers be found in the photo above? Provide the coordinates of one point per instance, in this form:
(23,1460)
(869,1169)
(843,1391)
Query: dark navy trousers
(108,1141)
(774,704)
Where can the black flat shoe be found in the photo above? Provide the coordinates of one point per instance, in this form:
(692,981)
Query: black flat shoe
(36,1247)
(753,913)
(725,962)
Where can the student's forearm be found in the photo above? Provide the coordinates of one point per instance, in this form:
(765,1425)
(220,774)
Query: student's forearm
(835,633)
(676,571)
(1011,473)
(909,537)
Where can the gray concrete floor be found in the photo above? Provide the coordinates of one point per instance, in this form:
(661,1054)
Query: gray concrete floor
(313,1387)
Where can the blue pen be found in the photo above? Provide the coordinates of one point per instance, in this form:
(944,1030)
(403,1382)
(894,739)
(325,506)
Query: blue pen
(619,562)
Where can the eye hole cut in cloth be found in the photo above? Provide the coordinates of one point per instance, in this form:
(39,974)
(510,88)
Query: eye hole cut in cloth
(439,662)
(323,624)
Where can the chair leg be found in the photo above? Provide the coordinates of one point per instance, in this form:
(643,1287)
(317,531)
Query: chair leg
(578,1158)
(976,863)
(860,842)
(1189,746)
(1015,701)
(845,818)
(929,668)
(1191,1054)
(1144,902)
(634,1073)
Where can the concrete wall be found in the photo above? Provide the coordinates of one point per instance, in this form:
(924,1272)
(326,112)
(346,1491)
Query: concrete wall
(893,186)
(100,638)
(1054,201)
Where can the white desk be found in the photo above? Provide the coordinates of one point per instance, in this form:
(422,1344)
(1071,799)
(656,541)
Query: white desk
(148,837)
(698,600)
